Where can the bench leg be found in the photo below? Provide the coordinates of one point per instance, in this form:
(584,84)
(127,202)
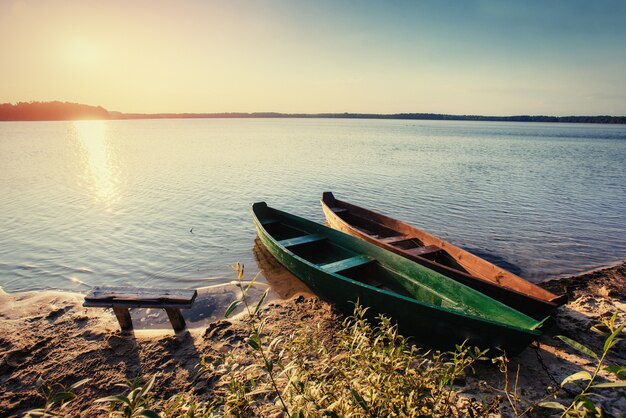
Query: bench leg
(176,318)
(123,317)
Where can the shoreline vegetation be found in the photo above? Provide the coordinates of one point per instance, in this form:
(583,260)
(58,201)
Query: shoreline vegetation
(56,110)
(319,359)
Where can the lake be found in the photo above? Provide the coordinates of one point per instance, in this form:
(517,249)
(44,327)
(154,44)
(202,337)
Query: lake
(166,203)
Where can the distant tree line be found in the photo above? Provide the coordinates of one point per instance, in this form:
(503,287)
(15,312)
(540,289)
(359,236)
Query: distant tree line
(404,116)
(30,111)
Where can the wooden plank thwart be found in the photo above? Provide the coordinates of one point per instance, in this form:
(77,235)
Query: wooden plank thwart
(395,238)
(346,263)
(121,299)
(421,251)
(304,239)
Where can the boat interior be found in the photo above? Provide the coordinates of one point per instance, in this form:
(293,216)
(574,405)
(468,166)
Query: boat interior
(408,245)
(335,259)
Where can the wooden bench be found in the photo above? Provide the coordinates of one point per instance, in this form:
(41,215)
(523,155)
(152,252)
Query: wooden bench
(121,299)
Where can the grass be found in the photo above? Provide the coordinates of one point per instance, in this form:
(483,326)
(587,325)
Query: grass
(362,371)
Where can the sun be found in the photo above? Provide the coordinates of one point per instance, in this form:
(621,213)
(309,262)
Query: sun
(82,53)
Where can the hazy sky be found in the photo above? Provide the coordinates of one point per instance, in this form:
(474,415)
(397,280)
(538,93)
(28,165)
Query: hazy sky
(460,57)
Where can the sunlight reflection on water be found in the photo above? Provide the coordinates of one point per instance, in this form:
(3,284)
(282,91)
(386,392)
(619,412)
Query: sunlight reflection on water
(96,156)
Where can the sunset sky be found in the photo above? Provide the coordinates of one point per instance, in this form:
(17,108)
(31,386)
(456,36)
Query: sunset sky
(486,57)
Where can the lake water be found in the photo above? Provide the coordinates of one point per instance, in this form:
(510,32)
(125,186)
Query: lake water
(166,203)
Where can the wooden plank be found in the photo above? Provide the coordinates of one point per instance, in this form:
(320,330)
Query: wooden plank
(99,292)
(304,239)
(134,304)
(395,238)
(346,263)
(421,251)
(140,295)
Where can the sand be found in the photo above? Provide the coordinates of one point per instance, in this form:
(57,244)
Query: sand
(50,335)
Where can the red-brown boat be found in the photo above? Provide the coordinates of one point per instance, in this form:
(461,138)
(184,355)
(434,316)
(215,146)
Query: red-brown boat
(441,256)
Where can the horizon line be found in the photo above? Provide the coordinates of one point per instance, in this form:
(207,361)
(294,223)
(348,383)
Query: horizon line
(57,110)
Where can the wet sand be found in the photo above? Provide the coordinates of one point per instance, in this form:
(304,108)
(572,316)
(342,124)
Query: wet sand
(50,335)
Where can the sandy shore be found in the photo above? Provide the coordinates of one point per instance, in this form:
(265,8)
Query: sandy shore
(50,335)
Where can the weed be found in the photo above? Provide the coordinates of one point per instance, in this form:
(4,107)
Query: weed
(57,397)
(583,404)
(134,403)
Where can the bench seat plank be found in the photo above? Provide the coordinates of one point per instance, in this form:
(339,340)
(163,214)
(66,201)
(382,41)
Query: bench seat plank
(132,304)
(140,296)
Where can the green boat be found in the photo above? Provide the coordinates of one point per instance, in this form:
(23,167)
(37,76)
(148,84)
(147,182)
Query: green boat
(433,308)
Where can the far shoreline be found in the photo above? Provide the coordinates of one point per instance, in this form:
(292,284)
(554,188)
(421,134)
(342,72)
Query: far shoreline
(66,111)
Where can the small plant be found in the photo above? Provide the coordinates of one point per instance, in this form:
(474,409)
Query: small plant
(185,406)
(134,404)
(139,402)
(256,336)
(519,406)
(583,403)
(57,397)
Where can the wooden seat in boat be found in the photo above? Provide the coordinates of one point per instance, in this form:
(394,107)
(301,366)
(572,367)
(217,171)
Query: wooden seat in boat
(422,251)
(346,263)
(395,238)
(304,239)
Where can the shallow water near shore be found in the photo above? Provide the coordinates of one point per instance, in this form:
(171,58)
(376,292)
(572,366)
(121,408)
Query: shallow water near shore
(165,203)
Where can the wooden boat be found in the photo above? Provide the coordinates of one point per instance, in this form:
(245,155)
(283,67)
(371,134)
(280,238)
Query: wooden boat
(441,256)
(426,304)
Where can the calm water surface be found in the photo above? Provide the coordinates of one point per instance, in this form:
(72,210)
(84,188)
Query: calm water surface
(166,203)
